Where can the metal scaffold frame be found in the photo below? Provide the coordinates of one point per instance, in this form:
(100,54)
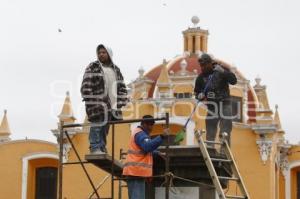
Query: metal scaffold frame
(82,163)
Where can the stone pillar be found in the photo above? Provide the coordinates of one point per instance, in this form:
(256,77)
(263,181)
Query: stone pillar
(185,43)
(190,43)
(198,43)
(204,44)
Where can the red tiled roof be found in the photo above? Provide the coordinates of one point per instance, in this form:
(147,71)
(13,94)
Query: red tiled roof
(192,64)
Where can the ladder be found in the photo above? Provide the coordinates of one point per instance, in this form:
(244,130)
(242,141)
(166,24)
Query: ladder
(236,176)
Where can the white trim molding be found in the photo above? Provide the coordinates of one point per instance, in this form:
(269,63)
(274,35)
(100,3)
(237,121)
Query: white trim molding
(25,161)
(288,178)
(180,120)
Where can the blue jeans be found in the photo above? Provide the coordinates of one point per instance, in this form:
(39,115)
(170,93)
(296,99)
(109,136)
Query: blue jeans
(97,136)
(136,188)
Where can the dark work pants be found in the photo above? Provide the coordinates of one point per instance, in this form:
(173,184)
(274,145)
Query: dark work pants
(219,113)
(136,188)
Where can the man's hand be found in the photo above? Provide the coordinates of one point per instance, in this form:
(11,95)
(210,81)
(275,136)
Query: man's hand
(219,68)
(165,133)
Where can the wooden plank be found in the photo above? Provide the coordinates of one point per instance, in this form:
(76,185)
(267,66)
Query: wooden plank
(104,162)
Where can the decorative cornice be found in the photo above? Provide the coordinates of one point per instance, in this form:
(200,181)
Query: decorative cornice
(168,85)
(154,100)
(263,110)
(28,140)
(241,125)
(139,82)
(183,77)
(5,139)
(71,132)
(195,30)
(262,129)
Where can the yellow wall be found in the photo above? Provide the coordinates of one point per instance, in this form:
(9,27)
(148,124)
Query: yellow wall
(11,154)
(144,109)
(75,182)
(183,89)
(182,108)
(247,157)
(281,186)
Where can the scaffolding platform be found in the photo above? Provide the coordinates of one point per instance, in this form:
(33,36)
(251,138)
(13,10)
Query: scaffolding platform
(104,162)
(187,162)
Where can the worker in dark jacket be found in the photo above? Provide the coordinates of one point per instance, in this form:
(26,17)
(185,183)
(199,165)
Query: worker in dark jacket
(104,92)
(212,85)
(139,159)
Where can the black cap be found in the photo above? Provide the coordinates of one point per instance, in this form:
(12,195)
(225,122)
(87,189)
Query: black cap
(99,47)
(205,59)
(150,119)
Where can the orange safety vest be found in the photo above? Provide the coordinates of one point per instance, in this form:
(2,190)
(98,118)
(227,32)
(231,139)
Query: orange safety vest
(138,163)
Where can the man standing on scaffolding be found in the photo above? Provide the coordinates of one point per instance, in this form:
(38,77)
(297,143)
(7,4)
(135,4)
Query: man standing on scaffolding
(139,160)
(104,92)
(212,85)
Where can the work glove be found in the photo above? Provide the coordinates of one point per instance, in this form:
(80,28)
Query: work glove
(165,133)
(201,96)
(219,69)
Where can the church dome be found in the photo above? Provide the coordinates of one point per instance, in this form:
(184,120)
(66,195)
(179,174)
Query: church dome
(184,69)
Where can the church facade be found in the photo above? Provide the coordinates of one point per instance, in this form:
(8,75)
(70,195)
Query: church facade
(269,165)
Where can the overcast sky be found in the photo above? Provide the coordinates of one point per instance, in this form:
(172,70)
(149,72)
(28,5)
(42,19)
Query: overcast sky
(39,63)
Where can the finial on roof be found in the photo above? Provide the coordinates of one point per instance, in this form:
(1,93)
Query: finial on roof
(4,126)
(183,64)
(163,76)
(195,20)
(257,80)
(67,111)
(164,61)
(141,71)
(277,118)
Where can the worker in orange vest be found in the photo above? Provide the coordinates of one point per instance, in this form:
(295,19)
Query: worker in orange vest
(139,160)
